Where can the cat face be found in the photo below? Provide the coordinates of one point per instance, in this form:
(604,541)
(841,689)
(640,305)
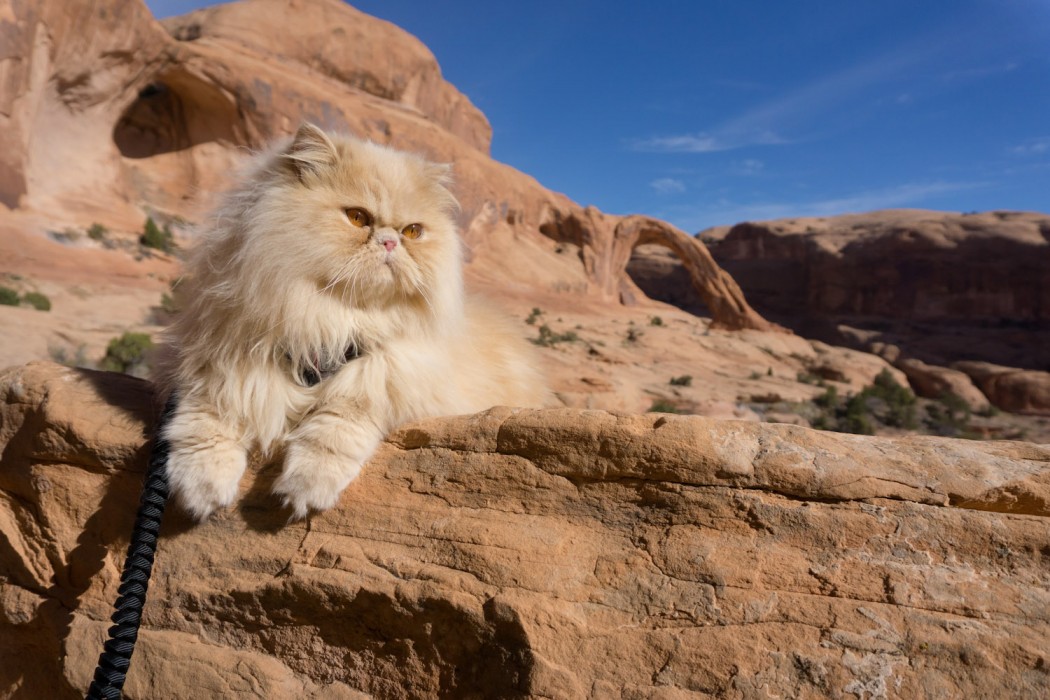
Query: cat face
(365,224)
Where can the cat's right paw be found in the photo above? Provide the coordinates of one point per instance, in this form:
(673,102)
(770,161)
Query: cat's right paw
(206,479)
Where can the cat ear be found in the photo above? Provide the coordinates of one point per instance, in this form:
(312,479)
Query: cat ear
(310,151)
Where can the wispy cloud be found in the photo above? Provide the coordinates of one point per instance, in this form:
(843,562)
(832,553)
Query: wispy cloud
(702,142)
(1033,147)
(724,211)
(978,72)
(668,185)
(796,111)
(748,167)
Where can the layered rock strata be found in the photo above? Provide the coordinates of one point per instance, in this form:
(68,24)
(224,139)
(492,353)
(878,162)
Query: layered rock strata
(562,553)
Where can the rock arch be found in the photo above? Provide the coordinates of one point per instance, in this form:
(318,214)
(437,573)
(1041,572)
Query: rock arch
(176,111)
(659,273)
(719,291)
(180,137)
(606,243)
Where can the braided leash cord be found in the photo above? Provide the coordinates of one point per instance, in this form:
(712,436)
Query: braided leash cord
(115,659)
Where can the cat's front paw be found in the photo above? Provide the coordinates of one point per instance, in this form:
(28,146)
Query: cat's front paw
(313,479)
(205,479)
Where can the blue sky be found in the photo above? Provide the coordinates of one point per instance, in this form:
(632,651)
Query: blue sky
(713,112)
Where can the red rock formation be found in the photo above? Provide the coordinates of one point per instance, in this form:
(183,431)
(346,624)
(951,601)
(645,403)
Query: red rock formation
(558,554)
(109,113)
(1011,389)
(936,382)
(899,264)
(606,244)
(942,286)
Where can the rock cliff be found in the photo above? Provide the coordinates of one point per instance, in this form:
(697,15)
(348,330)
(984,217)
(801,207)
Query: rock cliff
(923,289)
(950,286)
(107,115)
(514,554)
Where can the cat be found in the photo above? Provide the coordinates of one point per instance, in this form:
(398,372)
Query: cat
(322,307)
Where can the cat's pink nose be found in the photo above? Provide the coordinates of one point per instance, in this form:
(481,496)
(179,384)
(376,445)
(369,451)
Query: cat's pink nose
(389,244)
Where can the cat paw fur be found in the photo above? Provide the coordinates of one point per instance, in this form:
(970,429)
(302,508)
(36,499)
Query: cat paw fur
(206,479)
(313,479)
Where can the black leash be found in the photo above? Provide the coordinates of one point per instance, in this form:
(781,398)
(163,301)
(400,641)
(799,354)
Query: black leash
(115,659)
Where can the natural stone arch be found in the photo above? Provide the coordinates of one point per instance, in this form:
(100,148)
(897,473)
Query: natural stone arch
(181,136)
(719,291)
(606,243)
(176,111)
(658,272)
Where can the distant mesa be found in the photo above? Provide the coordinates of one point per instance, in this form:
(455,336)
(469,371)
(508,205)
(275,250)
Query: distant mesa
(949,287)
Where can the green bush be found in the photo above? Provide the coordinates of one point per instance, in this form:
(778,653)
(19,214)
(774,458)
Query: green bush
(656,321)
(949,415)
(684,380)
(169,301)
(155,237)
(127,353)
(549,338)
(8,296)
(857,419)
(988,411)
(900,401)
(97,232)
(663,406)
(37,300)
(536,313)
(829,399)
(807,378)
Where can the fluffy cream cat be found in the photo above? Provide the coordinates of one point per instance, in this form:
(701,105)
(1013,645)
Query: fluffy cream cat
(322,307)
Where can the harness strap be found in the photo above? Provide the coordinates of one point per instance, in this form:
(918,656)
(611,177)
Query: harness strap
(317,371)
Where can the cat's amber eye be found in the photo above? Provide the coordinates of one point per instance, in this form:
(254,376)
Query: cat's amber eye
(412,231)
(359,217)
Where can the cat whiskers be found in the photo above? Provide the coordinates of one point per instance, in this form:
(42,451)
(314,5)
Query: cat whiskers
(416,282)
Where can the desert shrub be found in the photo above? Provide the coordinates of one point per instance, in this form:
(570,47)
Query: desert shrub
(127,353)
(37,300)
(66,235)
(156,237)
(684,380)
(663,406)
(807,378)
(857,418)
(883,403)
(97,232)
(955,404)
(62,355)
(988,411)
(535,314)
(548,338)
(829,399)
(899,400)
(656,321)
(8,296)
(948,415)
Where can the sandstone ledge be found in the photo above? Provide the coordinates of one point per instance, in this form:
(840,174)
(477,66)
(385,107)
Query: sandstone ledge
(560,554)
